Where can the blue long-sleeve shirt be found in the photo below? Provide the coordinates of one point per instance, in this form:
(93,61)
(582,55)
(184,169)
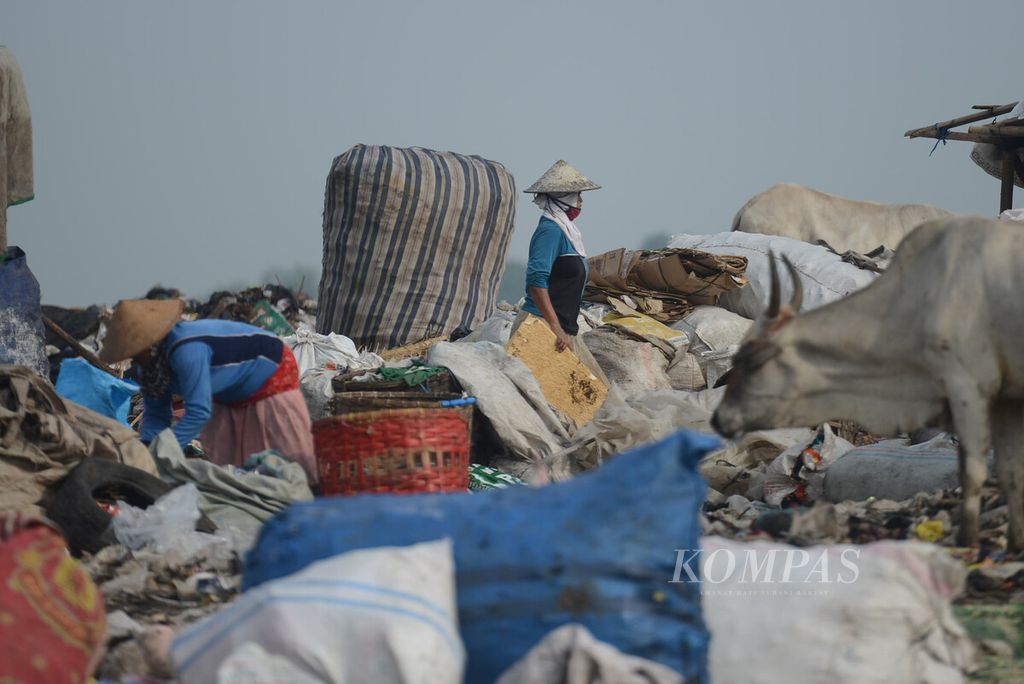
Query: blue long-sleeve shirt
(557,267)
(210,360)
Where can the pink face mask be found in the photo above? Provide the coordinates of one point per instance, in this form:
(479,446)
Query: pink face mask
(570,211)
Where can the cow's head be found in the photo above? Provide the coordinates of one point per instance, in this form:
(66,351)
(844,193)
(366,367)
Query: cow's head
(768,370)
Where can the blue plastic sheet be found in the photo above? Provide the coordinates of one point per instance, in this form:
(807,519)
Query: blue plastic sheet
(22,342)
(599,550)
(84,384)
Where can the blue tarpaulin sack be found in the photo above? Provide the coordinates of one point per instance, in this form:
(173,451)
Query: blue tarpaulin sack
(22,341)
(84,384)
(599,550)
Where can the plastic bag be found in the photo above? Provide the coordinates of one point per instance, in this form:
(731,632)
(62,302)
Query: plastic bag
(507,394)
(54,619)
(384,615)
(894,469)
(269,318)
(250,664)
(598,550)
(627,422)
(497,329)
(571,655)
(318,391)
(762,446)
(594,314)
(168,524)
(715,336)
(21,324)
(233,498)
(84,384)
(313,350)
(797,475)
(684,372)
(632,365)
(482,478)
(825,276)
(840,614)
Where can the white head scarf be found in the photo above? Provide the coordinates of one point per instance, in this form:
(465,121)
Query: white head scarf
(553,211)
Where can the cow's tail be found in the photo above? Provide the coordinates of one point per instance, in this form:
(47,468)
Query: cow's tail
(736,219)
(739,214)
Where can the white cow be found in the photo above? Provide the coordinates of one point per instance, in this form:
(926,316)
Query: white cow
(935,340)
(804,214)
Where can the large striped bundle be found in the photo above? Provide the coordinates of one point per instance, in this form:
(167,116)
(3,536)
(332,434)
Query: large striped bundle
(414,243)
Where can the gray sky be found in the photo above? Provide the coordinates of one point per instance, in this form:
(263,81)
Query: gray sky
(188,142)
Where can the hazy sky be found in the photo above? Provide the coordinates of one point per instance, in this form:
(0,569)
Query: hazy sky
(188,143)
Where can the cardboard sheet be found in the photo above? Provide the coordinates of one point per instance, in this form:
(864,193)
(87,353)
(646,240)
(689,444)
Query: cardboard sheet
(567,384)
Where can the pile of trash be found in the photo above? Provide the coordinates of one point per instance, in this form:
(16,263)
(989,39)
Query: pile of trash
(161,573)
(596,523)
(75,332)
(270,306)
(216,544)
(469,505)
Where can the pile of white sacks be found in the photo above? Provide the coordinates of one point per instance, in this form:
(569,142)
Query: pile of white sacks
(658,385)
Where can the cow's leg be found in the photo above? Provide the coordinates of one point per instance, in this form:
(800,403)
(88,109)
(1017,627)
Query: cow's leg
(970,412)
(1008,440)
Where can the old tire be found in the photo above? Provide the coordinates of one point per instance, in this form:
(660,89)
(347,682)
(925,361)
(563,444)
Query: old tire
(85,524)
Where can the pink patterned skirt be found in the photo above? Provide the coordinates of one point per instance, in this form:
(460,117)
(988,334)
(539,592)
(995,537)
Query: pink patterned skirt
(275,418)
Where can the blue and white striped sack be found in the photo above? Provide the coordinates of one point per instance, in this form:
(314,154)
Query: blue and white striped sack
(384,615)
(414,243)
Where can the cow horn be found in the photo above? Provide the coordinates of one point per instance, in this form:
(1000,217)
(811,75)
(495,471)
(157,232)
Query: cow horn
(798,286)
(775,294)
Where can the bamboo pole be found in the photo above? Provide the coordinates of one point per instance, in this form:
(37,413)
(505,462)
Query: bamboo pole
(933,130)
(973,137)
(998,130)
(1019,166)
(1007,173)
(78,347)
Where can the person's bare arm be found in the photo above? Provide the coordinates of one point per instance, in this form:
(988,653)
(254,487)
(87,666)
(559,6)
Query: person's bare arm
(543,302)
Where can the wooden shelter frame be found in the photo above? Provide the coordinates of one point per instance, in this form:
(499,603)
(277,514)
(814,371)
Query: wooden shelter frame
(1008,136)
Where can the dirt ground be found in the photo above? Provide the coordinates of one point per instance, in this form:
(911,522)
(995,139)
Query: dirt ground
(995,621)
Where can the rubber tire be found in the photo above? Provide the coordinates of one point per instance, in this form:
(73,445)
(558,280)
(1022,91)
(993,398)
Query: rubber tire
(85,524)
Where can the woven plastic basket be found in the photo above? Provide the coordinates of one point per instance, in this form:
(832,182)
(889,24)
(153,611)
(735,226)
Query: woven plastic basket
(393,451)
(356,402)
(438,383)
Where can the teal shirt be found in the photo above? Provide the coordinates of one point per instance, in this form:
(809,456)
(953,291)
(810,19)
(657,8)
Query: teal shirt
(547,245)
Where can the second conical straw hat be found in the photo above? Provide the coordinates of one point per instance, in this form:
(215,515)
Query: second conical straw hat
(138,324)
(562,177)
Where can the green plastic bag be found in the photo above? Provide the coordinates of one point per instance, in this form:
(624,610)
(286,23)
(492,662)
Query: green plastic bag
(483,477)
(412,376)
(269,318)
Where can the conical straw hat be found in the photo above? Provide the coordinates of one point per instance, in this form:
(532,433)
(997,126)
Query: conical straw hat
(137,325)
(562,177)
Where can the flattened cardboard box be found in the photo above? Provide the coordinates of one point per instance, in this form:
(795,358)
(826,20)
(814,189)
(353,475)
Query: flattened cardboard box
(567,384)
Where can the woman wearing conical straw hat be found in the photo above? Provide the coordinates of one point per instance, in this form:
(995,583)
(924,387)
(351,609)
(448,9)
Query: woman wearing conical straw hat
(557,270)
(240,383)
